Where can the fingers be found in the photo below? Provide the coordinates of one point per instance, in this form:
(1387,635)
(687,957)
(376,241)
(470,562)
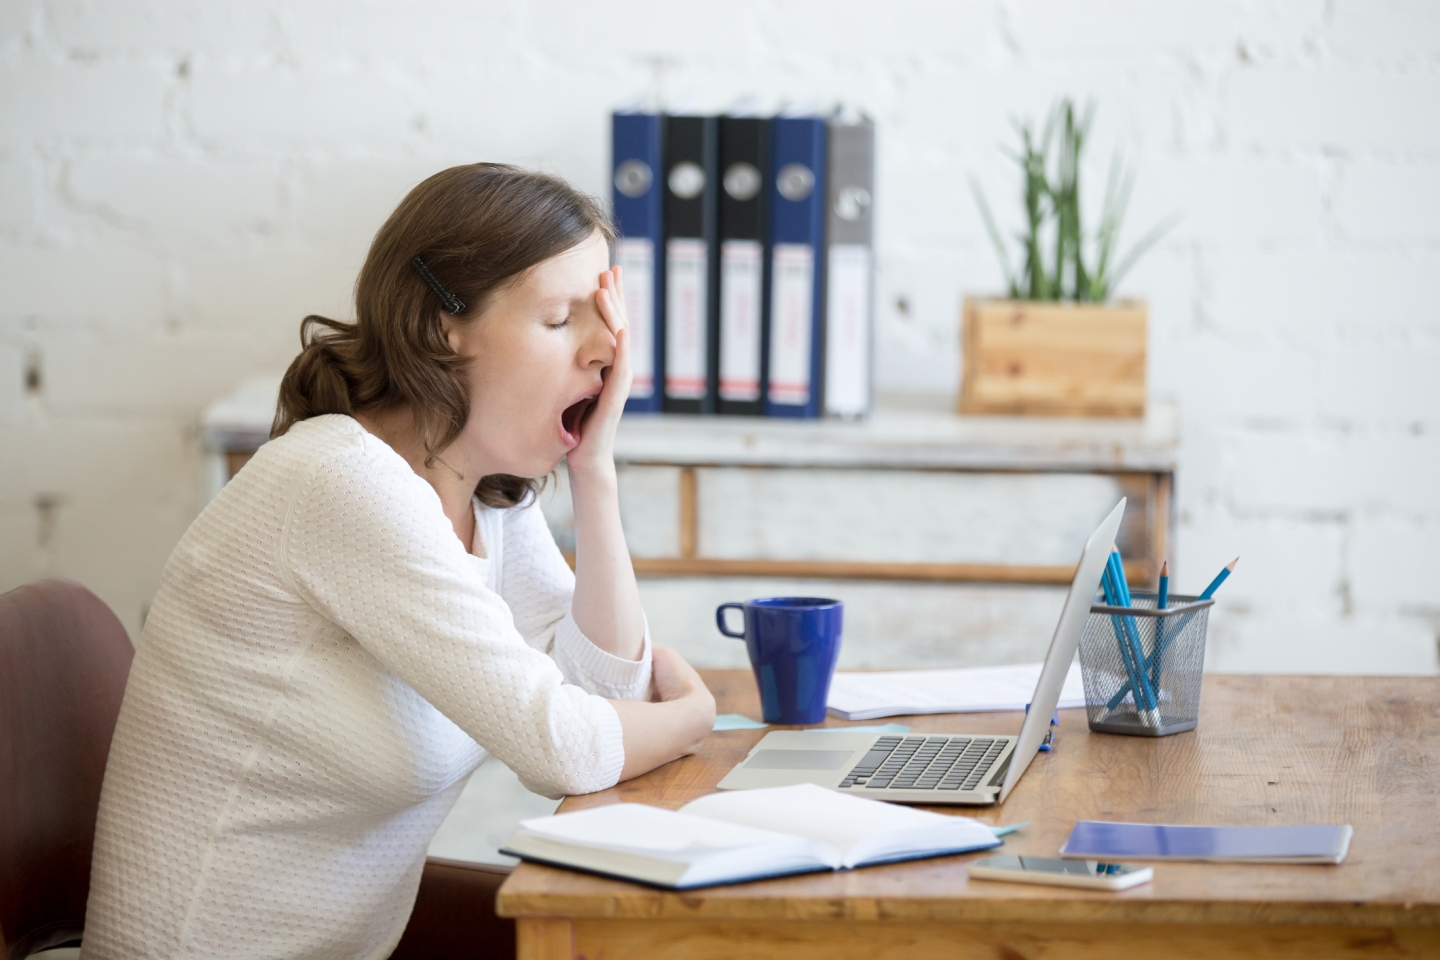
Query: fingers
(617,379)
(611,300)
(622,351)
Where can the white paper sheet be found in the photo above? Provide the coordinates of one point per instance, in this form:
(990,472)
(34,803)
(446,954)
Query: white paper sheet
(635,826)
(864,696)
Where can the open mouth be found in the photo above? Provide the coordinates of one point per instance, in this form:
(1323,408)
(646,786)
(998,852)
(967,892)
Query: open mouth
(573,420)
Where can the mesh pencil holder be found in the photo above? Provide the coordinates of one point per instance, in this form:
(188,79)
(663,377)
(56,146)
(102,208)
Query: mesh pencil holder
(1161,651)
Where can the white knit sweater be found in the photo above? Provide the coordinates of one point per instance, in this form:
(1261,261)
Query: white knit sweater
(322,668)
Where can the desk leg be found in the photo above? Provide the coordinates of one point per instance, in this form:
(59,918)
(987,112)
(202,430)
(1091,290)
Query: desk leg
(544,938)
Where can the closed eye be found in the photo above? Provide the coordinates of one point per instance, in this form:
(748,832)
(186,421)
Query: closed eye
(558,324)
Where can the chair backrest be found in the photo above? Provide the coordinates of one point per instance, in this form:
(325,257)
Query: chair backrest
(64,659)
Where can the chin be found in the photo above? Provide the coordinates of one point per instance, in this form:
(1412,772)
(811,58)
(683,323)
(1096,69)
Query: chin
(536,467)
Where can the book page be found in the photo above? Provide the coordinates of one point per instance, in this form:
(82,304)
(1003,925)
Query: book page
(635,827)
(860,830)
(862,696)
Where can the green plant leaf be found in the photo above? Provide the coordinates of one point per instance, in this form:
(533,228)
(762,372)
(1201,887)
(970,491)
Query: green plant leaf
(995,238)
(1152,237)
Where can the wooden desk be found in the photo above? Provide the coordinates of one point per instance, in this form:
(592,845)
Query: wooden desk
(1269,750)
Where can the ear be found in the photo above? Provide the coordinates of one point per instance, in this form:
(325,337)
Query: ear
(450,330)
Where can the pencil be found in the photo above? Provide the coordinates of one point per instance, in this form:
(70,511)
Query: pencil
(1122,642)
(1146,703)
(1219,579)
(1161,600)
(1208,594)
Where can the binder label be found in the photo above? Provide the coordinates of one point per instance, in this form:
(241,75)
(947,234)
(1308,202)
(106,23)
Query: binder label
(685,299)
(636,258)
(741,274)
(792,286)
(847,329)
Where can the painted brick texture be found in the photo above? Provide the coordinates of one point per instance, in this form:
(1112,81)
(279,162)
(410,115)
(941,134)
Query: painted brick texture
(182,180)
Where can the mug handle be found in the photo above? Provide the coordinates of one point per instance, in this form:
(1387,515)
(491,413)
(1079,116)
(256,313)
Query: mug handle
(720,619)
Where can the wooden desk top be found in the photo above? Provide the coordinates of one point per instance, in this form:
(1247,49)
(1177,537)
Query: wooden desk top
(1268,750)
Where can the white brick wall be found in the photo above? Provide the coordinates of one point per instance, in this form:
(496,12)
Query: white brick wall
(180,182)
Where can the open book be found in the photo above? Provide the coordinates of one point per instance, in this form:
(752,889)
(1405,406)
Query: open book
(743,835)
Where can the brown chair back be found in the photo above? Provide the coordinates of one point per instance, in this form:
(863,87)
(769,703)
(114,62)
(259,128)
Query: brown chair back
(64,659)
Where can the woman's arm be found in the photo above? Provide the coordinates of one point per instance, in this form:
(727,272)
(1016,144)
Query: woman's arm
(539,587)
(366,545)
(672,727)
(606,605)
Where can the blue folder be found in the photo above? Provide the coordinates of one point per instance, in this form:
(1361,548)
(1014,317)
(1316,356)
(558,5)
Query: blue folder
(1312,843)
(797,266)
(639,214)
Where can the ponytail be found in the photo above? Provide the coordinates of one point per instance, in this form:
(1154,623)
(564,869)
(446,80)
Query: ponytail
(317,381)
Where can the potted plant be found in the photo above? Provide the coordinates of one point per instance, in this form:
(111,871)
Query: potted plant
(1057,345)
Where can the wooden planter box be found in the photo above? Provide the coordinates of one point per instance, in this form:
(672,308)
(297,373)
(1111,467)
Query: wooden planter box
(1053,359)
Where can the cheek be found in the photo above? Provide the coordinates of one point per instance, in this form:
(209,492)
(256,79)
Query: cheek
(514,388)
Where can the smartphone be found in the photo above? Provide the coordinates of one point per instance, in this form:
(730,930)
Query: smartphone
(1091,874)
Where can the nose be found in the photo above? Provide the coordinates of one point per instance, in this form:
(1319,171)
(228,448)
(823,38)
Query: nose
(597,346)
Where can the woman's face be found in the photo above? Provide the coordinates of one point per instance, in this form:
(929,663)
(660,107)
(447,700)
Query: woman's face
(537,351)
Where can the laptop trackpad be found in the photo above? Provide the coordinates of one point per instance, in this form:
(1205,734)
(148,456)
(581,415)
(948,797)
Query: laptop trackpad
(798,760)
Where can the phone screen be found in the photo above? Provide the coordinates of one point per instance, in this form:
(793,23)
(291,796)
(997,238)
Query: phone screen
(1078,868)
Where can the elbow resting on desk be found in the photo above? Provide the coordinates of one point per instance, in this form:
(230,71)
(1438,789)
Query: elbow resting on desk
(674,724)
(670,725)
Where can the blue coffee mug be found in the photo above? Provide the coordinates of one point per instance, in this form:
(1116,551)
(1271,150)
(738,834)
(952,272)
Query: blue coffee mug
(793,643)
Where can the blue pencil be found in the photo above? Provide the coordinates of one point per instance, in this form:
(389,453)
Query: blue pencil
(1145,699)
(1185,620)
(1122,642)
(1161,600)
(1117,564)
(1145,691)
(1219,579)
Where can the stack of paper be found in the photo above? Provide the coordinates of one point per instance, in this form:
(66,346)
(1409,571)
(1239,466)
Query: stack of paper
(864,696)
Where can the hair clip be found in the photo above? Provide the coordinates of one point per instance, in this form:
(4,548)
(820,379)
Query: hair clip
(451,302)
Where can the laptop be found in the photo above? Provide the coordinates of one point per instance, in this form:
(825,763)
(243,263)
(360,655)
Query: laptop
(936,768)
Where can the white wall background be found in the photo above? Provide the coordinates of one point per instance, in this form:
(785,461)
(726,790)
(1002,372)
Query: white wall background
(180,182)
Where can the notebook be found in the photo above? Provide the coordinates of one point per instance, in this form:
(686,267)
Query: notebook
(1314,843)
(743,835)
(893,693)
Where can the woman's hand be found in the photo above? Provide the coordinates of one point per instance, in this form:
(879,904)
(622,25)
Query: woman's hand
(606,602)
(596,450)
(675,724)
(672,679)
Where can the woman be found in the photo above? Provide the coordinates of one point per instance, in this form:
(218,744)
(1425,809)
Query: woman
(374,602)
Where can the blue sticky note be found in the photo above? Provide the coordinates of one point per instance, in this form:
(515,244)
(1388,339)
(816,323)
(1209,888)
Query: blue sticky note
(734,721)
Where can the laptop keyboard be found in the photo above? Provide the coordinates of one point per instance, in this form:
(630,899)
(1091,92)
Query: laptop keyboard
(925,763)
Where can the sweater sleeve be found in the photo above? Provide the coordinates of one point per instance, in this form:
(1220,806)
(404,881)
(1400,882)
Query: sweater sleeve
(367,544)
(538,585)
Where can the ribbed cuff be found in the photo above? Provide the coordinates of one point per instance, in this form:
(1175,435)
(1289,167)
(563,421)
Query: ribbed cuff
(612,736)
(598,671)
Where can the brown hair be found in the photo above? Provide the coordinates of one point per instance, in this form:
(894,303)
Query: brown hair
(476,228)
